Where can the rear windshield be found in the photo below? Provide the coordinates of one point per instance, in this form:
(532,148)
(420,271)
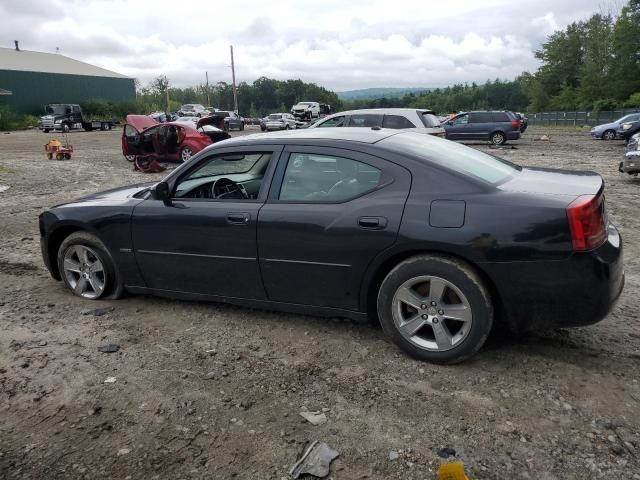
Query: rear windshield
(274,116)
(454,156)
(430,120)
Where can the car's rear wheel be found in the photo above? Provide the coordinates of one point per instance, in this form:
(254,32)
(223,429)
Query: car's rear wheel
(185,154)
(130,158)
(86,267)
(435,308)
(46,130)
(66,127)
(498,138)
(287,127)
(609,135)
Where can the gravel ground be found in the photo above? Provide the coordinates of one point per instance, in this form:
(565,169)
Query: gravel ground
(215,391)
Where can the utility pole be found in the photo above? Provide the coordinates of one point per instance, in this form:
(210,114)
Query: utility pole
(206,74)
(233,76)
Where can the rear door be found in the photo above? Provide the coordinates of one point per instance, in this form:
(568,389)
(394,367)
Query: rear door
(330,212)
(478,126)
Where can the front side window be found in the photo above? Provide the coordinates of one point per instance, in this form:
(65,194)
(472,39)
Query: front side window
(396,122)
(332,122)
(231,176)
(326,178)
(454,156)
(365,120)
(461,120)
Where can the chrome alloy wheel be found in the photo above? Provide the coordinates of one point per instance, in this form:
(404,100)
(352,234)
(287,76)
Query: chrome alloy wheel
(431,313)
(186,154)
(84,271)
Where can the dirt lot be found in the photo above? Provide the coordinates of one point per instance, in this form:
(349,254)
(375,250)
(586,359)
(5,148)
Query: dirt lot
(214,391)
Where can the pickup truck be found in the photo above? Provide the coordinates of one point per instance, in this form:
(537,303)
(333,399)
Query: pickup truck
(67,116)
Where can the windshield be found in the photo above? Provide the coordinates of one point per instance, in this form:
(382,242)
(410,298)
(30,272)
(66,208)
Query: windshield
(274,116)
(55,109)
(454,156)
(305,104)
(430,120)
(627,118)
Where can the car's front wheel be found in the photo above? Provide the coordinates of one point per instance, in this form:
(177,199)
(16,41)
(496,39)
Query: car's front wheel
(86,267)
(435,308)
(609,135)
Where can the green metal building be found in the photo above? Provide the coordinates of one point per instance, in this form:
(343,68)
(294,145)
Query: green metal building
(31,80)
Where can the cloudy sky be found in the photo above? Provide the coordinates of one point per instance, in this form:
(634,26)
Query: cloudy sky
(342,45)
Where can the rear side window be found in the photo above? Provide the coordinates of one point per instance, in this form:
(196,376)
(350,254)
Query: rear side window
(454,156)
(397,122)
(365,120)
(500,117)
(429,120)
(326,178)
(480,117)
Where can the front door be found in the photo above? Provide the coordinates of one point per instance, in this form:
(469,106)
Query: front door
(456,128)
(203,241)
(330,212)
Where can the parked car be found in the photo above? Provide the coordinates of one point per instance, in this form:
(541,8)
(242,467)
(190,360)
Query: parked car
(524,121)
(498,127)
(169,141)
(610,131)
(192,110)
(306,110)
(631,163)
(395,118)
(231,120)
(278,121)
(629,128)
(434,238)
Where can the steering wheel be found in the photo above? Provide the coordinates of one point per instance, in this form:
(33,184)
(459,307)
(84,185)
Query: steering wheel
(227,188)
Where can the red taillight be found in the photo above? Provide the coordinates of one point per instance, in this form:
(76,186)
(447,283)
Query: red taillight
(586,222)
(515,123)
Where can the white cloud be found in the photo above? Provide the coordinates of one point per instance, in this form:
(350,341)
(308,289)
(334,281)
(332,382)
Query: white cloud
(337,44)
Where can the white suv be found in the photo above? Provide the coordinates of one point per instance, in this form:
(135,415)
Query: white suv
(396,118)
(306,110)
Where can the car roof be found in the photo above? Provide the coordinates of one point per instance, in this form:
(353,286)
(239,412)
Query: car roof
(361,135)
(382,111)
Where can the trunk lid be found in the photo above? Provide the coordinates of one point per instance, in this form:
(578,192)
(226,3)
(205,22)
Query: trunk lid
(548,181)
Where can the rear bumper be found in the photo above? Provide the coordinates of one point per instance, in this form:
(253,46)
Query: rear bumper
(514,135)
(577,291)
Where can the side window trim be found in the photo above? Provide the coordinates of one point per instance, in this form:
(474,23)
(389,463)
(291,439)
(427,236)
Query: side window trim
(386,177)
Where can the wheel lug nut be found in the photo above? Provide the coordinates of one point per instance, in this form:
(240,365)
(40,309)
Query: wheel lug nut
(440,312)
(425,316)
(435,320)
(423,306)
(433,304)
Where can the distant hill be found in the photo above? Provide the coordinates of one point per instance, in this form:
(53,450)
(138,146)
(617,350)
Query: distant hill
(373,93)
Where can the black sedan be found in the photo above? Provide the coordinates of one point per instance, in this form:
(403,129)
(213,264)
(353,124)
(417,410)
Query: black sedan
(437,240)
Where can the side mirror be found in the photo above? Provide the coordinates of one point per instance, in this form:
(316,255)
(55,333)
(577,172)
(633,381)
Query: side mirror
(161,191)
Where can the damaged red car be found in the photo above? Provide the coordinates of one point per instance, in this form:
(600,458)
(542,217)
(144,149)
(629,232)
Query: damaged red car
(169,142)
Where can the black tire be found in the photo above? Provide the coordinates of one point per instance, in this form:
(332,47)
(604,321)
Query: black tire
(609,135)
(66,127)
(130,158)
(113,286)
(46,130)
(498,138)
(242,126)
(460,275)
(88,128)
(264,129)
(287,127)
